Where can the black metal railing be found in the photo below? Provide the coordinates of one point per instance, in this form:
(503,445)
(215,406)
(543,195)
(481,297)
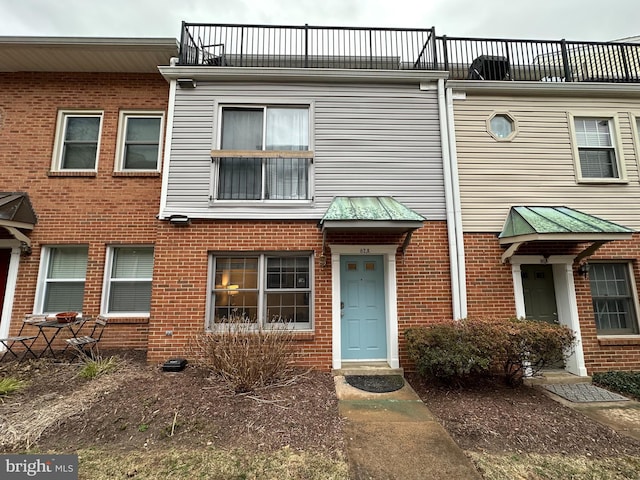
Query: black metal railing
(538,60)
(306,47)
(408,49)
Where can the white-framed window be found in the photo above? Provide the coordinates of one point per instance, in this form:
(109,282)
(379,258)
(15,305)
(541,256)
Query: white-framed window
(264,153)
(614,304)
(128,276)
(262,289)
(502,126)
(77,141)
(596,149)
(139,141)
(61,279)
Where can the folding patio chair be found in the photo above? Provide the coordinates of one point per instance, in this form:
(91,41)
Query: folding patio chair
(85,345)
(26,341)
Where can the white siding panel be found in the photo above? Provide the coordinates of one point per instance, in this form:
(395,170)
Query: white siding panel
(537,166)
(368,140)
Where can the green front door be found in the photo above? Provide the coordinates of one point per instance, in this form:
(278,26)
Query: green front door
(539,293)
(362,308)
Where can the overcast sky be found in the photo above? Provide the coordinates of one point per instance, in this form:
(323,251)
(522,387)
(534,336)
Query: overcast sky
(535,19)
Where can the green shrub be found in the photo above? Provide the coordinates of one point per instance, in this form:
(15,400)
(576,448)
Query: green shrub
(457,351)
(622,382)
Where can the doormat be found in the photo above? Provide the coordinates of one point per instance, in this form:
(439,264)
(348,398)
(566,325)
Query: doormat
(376,383)
(583,393)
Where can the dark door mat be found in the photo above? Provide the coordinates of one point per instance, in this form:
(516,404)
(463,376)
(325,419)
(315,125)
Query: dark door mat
(584,393)
(376,383)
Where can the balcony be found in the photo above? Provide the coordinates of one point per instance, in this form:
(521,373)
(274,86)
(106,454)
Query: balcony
(229,45)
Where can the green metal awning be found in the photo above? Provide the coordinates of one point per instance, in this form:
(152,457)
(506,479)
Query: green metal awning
(540,223)
(370,213)
(17,213)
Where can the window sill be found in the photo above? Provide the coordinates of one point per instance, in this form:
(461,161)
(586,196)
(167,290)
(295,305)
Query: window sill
(128,320)
(71,173)
(136,174)
(602,181)
(619,341)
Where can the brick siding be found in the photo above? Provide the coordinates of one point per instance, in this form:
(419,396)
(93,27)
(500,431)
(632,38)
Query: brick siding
(490,293)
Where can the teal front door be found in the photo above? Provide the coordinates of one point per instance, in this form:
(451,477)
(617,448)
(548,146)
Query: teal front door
(362,308)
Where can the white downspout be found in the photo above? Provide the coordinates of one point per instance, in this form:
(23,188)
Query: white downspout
(457,208)
(449,201)
(167,147)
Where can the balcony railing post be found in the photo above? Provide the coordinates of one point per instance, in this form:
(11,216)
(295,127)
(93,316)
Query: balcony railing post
(445,54)
(625,64)
(565,61)
(306,45)
(182,45)
(434,48)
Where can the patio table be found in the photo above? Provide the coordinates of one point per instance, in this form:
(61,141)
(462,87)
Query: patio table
(54,327)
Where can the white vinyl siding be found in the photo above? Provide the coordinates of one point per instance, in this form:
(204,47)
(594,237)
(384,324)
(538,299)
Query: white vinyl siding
(537,167)
(62,279)
(128,286)
(367,140)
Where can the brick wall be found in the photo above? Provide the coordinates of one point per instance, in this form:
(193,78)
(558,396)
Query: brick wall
(181,269)
(96,210)
(490,293)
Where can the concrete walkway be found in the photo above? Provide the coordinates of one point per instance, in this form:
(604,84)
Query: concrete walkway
(392,436)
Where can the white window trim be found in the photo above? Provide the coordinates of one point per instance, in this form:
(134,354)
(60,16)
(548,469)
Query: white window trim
(514,123)
(45,256)
(634,296)
(616,139)
(262,289)
(121,142)
(61,127)
(106,284)
(634,118)
(261,102)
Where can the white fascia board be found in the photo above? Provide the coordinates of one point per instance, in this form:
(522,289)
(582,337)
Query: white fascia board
(267,74)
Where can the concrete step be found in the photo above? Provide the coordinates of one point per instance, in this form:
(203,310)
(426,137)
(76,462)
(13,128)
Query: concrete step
(368,368)
(556,377)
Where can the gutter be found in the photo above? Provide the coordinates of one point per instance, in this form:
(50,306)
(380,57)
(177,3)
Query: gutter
(449,200)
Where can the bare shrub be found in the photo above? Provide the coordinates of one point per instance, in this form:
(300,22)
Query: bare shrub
(246,355)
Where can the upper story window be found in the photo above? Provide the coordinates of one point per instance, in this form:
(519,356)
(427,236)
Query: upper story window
(62,278)
(613,298)
(264,153)
(596,149)
(128,280)
(501,126)
(139,138)
(77,141)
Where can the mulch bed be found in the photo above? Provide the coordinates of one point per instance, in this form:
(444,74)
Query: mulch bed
(491,417)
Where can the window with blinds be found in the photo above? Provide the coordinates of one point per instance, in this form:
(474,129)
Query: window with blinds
(613,301)
(129,280)
(64,279)
(596,148)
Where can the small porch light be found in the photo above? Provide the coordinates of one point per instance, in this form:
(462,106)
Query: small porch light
(583,269)
(179,220)
(186,83)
